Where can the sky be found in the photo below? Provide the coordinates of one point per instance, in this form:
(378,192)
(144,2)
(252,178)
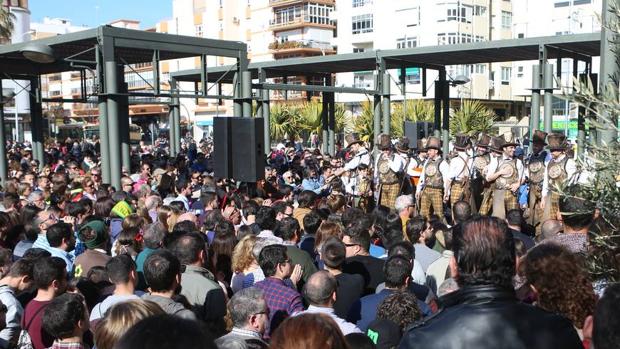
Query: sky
(96,12)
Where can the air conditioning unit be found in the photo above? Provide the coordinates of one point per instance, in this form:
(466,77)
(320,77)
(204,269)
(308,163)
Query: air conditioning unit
(491,84)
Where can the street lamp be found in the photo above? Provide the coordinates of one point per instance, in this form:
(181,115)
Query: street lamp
(38,53)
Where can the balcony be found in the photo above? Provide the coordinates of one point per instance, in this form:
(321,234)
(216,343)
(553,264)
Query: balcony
(281,3)
(303,20)
(304,48)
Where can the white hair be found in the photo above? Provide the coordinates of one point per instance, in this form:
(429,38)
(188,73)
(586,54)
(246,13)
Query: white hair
(403,202)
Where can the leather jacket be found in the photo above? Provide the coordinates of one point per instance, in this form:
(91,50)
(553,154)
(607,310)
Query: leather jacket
(490,317)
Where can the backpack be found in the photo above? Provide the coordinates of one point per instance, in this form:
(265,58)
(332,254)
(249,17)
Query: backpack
(24,341)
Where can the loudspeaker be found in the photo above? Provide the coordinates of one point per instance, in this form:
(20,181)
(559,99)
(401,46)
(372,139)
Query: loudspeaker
(248,149)
(417,130)
(239,148)
(222,147)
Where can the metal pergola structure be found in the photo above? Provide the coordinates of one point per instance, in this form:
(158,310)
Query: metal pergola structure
(102,54)
(578,47)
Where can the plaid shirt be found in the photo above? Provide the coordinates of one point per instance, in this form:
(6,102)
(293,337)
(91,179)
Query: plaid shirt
(282,300)
(61,345)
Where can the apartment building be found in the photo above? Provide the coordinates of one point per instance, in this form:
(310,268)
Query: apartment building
(272,29)
(399,24)
(554,17)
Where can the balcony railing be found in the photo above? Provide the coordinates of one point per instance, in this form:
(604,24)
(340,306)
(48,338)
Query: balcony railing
(287,45)
(297,20)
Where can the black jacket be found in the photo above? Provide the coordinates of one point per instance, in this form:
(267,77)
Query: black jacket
(490,317)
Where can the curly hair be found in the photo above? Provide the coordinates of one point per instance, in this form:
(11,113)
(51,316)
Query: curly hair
(401,308)
(242,256)
(562,284)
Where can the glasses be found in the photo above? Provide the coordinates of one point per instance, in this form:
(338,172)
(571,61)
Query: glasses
(73,168)
(128,185)
(199,177)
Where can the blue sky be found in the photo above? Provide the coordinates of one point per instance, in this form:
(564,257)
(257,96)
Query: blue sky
(95,12)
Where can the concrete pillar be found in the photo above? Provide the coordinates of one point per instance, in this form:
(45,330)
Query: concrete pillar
(123,120)
(325,123)
(237,101)
(262,77)
(385,86)
(104,141)
(111,83)
(548,86)
(246,93)
(376,123)
(535,105)
(3,162)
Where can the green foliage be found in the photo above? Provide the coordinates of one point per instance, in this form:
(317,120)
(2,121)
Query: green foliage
(6,23)
(601,167)
(293,120)
(363,123)
(416,110)
(284,121)
(471,119)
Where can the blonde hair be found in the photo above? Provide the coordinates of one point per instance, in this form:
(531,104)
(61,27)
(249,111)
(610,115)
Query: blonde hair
(242,256)
(120,318)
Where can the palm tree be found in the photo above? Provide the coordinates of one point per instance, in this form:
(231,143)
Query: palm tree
(284,121)
(417,110)
(363,123)
(6,24)
(472,119)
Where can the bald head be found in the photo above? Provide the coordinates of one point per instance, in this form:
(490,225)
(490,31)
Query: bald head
(550,228)
(320,288)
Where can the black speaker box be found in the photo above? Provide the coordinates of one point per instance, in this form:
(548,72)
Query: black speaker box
(222,147)
(239,148)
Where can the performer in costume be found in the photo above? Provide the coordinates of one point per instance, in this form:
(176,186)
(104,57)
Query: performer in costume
(434,186)
(535,174)
(481,190)
(389,168)
(460,167)
(559,170)
(507,172)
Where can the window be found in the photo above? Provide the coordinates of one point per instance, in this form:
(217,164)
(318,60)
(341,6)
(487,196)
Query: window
(520,71)
(360,3)
(480,68)
(362,24)
(199,30)
(406,42)
(480,10)
(520,35)
(506,19)
(564,3)
(362,80)
(358,50)
(506,75)
(457,12)
(457,38)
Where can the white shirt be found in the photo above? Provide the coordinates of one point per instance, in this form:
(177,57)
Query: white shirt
(571,170)
(362,157)
(345,326)
(494,164)
(397,164)
(458,171)
(411,166)
(444,168)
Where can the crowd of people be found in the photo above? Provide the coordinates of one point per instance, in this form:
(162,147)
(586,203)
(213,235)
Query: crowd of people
(402,247)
